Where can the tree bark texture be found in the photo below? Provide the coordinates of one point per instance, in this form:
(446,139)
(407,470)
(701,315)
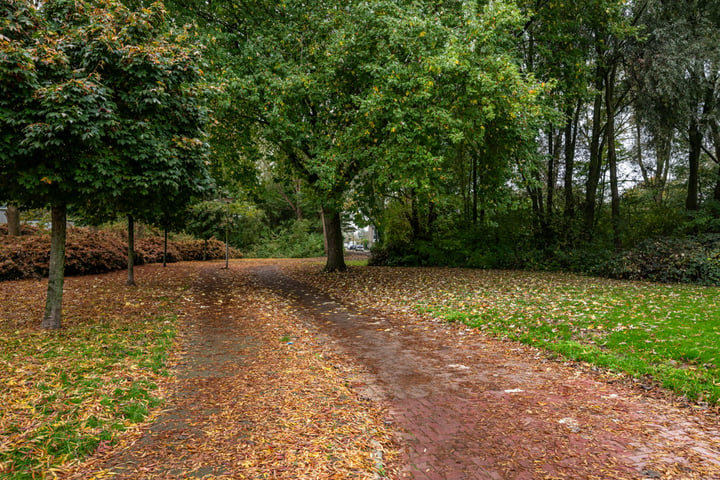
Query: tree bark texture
(692,202)
(594,168)
(131,250)
(612,159)
(572,116)
(56,274)
(335,253)
(13,220)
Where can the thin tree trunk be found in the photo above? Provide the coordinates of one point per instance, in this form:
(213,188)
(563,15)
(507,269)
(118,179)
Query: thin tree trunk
(663,147)
(474,190)
(573,115)
(612,159)
(716,142)
(13,220)
(595,165)
(691,202)
(56,274)
(554,140)
(165,249)
(335,255)
(131,250)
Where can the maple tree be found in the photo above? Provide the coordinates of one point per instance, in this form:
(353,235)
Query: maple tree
(100,104)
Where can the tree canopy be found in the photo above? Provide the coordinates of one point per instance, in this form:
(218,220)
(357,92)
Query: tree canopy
(101,104)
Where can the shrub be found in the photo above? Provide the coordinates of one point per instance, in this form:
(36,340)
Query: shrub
(91,252)
(25,229)
(211,249)
(688,260)
(152,249)
(88,252)
(297,240)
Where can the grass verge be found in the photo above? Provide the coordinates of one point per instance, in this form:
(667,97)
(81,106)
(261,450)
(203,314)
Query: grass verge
(669,332)
(70,392)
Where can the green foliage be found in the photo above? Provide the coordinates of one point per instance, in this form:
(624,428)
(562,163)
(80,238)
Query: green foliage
(106,104)
(689,260)
(209,219)
(300,239)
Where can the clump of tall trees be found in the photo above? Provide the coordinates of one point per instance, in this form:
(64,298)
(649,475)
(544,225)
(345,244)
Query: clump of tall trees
(504,133)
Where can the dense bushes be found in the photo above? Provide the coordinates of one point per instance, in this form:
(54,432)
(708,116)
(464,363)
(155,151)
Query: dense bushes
(693,259)
(296,240)
(688,259)
(89,252)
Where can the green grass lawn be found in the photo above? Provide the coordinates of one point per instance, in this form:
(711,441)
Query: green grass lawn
(671,332)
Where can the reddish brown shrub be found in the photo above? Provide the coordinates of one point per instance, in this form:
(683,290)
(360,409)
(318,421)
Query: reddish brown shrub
(89,252)
(151,250)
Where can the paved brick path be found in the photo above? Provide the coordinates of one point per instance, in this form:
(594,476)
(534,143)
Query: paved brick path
(469,407)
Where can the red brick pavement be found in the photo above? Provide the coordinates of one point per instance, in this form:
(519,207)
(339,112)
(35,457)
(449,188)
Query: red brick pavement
(469,407)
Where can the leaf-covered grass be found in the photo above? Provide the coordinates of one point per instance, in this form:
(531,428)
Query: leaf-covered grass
(669,332)
(69,392)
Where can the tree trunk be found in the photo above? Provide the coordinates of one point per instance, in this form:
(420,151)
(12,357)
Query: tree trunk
(474,190)
(691,202)
(335,254)
(165,249)
(131,250)
(594,168)
(56,274)
(414,217)
(325,235)
(716,142)
(663,149)
(13,220)
(573,115)
(554,140)
(612,159)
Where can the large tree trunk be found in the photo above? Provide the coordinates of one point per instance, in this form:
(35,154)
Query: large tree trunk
(335,253)
(131,250)
(691,202)
(56,274)
(325,240)
(612,159)
(13,220)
